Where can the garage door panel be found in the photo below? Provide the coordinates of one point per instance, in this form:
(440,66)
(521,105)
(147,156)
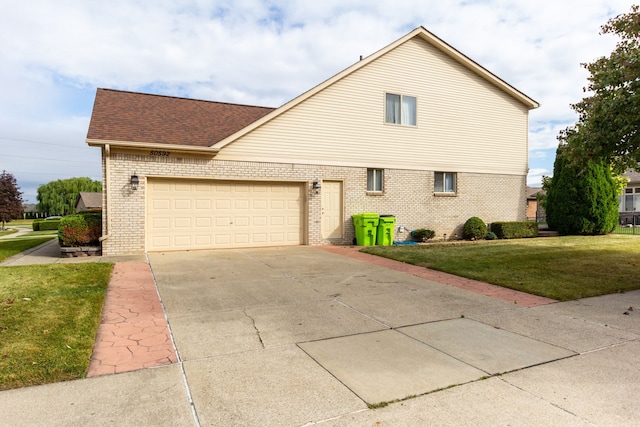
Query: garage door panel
(182,240)
(259,238)
(241,204)
(223,240)
(203,204)
(203,240)
(182,204)
(219,214)
(161,204)
(277,220)
(260,221)
(242,221)
(161,223)
(203,222)
(259,204)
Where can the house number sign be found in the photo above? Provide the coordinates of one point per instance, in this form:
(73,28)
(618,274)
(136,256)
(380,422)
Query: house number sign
(159,153)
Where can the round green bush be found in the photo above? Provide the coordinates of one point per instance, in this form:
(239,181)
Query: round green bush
(423,234)
(474,229)
(491,236)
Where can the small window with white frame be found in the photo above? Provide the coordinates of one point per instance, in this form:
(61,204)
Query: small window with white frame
(445,182)
(375,180)
(400,109)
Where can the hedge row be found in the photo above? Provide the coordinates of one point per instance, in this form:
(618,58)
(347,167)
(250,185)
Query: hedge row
(83,229)
(515,229)
(42,225)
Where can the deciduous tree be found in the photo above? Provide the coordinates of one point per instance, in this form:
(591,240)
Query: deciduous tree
(59,197)
(10,198)
(608,127)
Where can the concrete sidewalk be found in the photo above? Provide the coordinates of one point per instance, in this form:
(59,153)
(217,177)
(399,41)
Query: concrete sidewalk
(301,336)
(49,253)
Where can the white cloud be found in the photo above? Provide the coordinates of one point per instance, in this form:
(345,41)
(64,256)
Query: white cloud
(534,178)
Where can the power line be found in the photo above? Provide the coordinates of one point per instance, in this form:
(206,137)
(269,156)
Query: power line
(45,158)
(41,142)
(46,173)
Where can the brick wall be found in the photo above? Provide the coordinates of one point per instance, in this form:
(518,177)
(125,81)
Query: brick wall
(408,194)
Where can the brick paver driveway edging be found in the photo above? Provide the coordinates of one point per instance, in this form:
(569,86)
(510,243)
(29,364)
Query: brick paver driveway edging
(133,333)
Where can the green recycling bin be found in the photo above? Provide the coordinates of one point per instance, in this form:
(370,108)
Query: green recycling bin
(386,225)
(365,227)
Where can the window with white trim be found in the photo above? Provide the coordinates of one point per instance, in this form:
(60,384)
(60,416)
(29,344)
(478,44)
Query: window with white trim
(631,200)
(400,109)
(375,179)
(445,182)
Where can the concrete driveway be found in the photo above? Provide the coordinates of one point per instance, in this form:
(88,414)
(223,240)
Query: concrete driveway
(301,336)
(291,336)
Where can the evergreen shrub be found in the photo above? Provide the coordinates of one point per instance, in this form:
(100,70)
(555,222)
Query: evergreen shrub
(515,229)
(474,229)
(581,199)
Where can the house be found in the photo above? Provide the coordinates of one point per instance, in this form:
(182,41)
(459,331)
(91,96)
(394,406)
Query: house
(88,201)
(629,202)
(535,212)
(416,130)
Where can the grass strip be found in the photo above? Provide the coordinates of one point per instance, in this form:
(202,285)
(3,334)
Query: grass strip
(49,317)
(563,268)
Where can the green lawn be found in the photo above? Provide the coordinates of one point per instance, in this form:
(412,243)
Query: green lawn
(10,247)
(562,268)
(8,231)
(49,316)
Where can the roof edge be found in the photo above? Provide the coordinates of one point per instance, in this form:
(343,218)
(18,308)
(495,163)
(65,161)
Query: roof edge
(211,151)
(421,32)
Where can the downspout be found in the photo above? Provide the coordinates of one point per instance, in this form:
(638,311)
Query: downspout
(107,163)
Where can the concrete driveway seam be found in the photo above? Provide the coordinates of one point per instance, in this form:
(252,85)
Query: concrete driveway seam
(542,399)
(362,313)
(183,374)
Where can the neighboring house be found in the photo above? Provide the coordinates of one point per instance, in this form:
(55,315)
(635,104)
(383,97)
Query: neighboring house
(535,211)
(416,130)
(31,211)
(629,202)
(88,201)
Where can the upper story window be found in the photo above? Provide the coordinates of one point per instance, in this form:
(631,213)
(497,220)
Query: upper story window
(374,180)
(400,109)
(445,182)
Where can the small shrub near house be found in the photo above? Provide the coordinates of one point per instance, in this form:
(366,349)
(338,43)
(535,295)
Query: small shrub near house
(515,229)
(491,236)
(83,229)
(423,234)
(474,229)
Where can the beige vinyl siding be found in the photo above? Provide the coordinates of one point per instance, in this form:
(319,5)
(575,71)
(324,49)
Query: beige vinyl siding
(464,123)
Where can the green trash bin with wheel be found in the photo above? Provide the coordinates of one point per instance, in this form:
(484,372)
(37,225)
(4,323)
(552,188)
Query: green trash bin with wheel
(384,235)
(366,225)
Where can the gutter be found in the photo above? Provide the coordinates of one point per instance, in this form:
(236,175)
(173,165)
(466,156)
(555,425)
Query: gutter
(107,158)
(187,149)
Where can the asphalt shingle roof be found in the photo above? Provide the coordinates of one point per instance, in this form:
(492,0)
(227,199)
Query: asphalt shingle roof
(90,199)
(137,117)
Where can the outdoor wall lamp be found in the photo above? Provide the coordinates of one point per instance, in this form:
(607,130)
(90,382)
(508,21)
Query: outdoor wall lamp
(316,185)
(134,181)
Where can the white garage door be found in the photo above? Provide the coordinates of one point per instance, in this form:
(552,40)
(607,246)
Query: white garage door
(186,214)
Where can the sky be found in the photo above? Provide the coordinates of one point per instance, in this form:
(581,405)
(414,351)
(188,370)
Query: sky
(54,54)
